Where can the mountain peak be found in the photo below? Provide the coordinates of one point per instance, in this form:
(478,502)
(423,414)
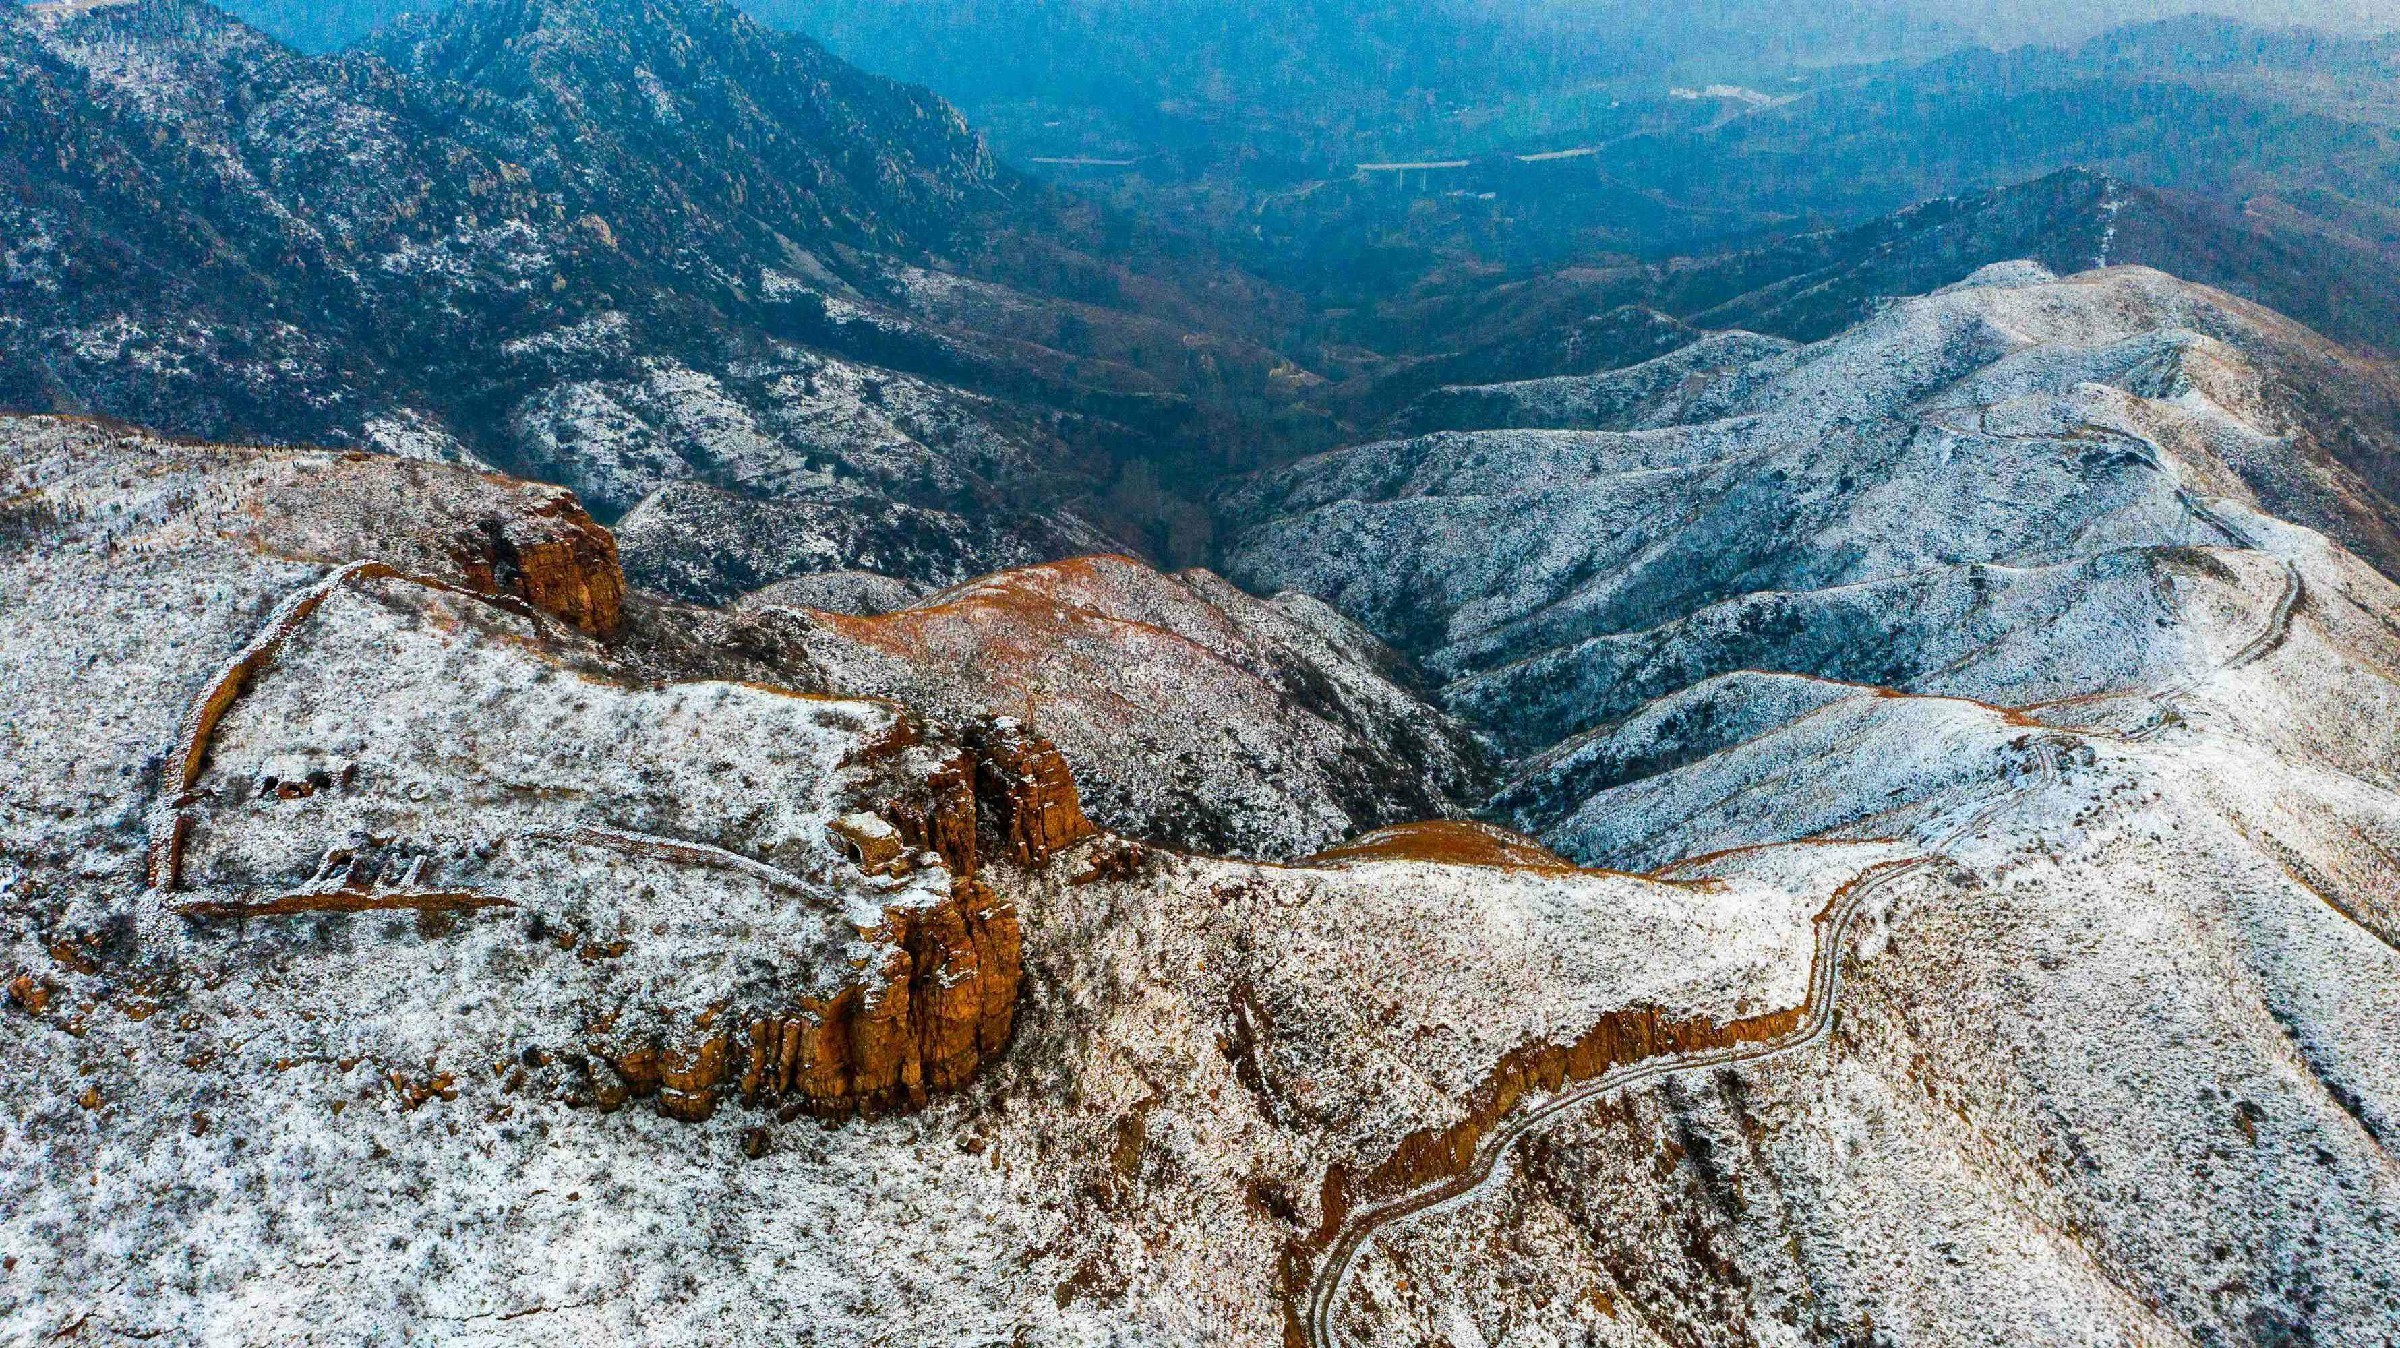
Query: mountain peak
(536,32)
(691,113)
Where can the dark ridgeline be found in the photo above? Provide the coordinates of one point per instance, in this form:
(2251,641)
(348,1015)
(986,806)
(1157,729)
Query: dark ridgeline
(1806,287)
(777,315)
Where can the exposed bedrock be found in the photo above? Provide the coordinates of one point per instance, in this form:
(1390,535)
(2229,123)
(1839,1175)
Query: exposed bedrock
(491,534)
(941,1004)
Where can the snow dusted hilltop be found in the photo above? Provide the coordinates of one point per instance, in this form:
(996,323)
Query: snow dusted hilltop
(461,940)
(1196,715)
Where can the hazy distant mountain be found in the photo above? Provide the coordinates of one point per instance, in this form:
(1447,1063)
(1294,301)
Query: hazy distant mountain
(1381,80)
(1266,51)
(618,244)
(1579,319)
(2281,145)
(1567,132)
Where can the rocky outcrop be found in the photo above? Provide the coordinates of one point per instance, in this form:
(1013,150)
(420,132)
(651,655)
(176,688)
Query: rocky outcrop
(560,560)
(942,1004)
(1024,779)
(879,1015)
(496,536)
(934,811)
(943,1001)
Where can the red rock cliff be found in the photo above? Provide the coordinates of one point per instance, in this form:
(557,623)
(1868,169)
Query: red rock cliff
(943,1002)
(491,534)
(1023,780)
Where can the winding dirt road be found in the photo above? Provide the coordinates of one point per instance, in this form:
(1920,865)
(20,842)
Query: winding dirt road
(1325,1290)
(1324,1294)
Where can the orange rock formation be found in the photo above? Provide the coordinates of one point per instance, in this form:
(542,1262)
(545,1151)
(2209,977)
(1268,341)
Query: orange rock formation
(1025,781)
(491,534)
(944,1001)
(1448,841)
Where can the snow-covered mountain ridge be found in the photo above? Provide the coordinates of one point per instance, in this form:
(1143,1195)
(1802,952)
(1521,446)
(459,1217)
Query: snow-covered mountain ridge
(1979,731)
(344,891)
(1995,579)
(1762,506)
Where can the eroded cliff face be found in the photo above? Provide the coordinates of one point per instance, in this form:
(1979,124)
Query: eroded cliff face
(943,1001)
(495,535)
(940,1006)
(1031,791)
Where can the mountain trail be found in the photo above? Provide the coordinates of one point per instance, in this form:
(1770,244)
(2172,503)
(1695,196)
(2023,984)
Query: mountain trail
(1324,1293)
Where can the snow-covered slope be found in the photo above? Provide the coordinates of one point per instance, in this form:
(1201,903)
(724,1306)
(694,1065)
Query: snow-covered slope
(1993,586)
(1193,714)
(400,944)
(414,932)
(1850,509)
(2119,1065)
(1651,393)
